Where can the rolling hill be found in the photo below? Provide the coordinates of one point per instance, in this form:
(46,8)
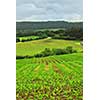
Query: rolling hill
(47,25)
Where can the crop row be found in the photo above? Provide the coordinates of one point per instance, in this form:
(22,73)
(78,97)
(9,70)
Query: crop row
(50,78)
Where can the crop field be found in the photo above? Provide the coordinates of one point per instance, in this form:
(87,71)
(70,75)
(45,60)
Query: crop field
(36,46)
(57,77)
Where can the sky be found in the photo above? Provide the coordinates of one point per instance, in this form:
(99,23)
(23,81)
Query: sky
(49,10)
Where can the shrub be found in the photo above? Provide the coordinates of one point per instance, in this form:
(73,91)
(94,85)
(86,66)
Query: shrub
(20,57)
(69,49)
(58,51)
(17,40)
(38,55)
(47,52)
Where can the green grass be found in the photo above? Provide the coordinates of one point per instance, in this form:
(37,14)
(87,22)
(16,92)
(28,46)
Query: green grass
(50,78)
(28,37)
(36,46)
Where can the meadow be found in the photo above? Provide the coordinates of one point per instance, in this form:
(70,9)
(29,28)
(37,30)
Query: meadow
(36,46)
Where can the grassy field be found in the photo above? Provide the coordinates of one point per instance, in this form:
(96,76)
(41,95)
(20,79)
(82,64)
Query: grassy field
(28,37)
(36,46)
(50,78)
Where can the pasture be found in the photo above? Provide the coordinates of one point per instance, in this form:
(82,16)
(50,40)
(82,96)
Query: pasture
(36,46)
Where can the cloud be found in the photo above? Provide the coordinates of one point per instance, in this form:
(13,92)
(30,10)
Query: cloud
(49,10)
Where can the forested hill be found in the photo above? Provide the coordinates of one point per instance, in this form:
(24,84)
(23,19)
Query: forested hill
(48,25)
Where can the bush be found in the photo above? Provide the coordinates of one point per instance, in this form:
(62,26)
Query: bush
(38,55)
(59,51)
(17,40)
(48,52)
(22,57)
(28,39)
(69,49)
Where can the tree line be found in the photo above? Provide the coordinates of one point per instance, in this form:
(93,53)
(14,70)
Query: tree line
(66,34)
(47,25)
(56,30)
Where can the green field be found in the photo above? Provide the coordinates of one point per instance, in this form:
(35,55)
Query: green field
(36,46)
(57,77)
(28,37)
(50,78)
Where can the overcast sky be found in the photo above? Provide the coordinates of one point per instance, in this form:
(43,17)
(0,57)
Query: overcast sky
(38,10)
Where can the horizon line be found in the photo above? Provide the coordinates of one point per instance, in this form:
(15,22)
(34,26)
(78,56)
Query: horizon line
(48,20)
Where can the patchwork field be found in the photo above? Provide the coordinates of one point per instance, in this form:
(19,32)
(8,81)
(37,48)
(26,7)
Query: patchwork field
(49,78)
